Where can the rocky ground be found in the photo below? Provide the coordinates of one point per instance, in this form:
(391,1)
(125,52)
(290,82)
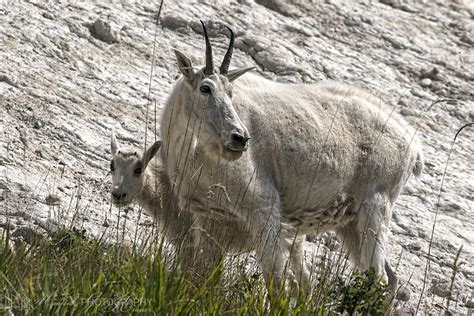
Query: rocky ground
(72,71)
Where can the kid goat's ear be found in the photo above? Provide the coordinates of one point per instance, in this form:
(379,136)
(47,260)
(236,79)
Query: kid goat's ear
(113,144)
(151,152)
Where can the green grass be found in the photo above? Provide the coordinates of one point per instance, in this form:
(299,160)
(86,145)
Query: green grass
(67,273)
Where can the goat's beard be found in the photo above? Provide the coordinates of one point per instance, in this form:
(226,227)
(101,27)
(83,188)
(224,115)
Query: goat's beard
(229,154)
(213,147)
(218,151)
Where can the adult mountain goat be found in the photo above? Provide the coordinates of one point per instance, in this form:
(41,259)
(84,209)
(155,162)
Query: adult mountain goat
(286,160)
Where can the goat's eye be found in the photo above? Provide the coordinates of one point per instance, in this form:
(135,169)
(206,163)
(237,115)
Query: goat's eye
(138,168)
(205,89)
(112,166)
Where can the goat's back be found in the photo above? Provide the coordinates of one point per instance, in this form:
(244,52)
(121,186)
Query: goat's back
(319,140)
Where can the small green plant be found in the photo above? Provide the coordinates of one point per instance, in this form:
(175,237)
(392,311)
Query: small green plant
(363,294)
(64,239)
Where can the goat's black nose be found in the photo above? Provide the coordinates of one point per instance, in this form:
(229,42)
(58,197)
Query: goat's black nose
(118,194)
(239,139)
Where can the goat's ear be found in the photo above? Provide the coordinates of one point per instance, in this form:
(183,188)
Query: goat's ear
(151,152)
(184,64)
(236,73)
(113,144)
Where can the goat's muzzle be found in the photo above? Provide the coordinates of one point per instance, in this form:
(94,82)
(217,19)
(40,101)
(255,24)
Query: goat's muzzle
(238,142)
(119,198)
(235,145)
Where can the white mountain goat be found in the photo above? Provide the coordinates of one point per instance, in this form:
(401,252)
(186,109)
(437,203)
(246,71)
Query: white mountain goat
(138,178)
(321,157)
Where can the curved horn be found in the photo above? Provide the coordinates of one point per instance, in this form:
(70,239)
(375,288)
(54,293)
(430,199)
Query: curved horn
(209,65)
(228,55)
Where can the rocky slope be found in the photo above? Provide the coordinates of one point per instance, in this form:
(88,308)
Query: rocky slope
(72,71)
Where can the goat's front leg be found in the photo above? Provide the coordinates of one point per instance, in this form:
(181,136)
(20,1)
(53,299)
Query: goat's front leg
(273,260)
(297,260)
(203,252)
(264,224)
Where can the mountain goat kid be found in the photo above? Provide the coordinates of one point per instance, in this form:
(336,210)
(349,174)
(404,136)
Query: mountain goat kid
(286,160)
(138,178)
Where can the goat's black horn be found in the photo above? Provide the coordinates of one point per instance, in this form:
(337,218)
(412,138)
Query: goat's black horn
(209,64)
(228,55)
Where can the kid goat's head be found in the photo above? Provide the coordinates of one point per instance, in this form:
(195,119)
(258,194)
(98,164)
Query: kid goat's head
(209,94)
(128,168)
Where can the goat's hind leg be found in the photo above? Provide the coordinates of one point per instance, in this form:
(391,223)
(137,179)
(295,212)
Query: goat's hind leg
(363,239)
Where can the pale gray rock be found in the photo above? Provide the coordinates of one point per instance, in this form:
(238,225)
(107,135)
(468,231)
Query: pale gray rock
(405,311)
(440,289)
(392,3)
(425,82)
(53,199)
(103,31)
(415,246)
(174,22)
(281,6)
(430,73)
(403,293)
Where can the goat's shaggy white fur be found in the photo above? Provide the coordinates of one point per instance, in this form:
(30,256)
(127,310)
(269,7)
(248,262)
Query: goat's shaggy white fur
(321,157)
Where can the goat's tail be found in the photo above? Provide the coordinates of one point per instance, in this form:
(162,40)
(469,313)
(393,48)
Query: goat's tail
(418,167)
